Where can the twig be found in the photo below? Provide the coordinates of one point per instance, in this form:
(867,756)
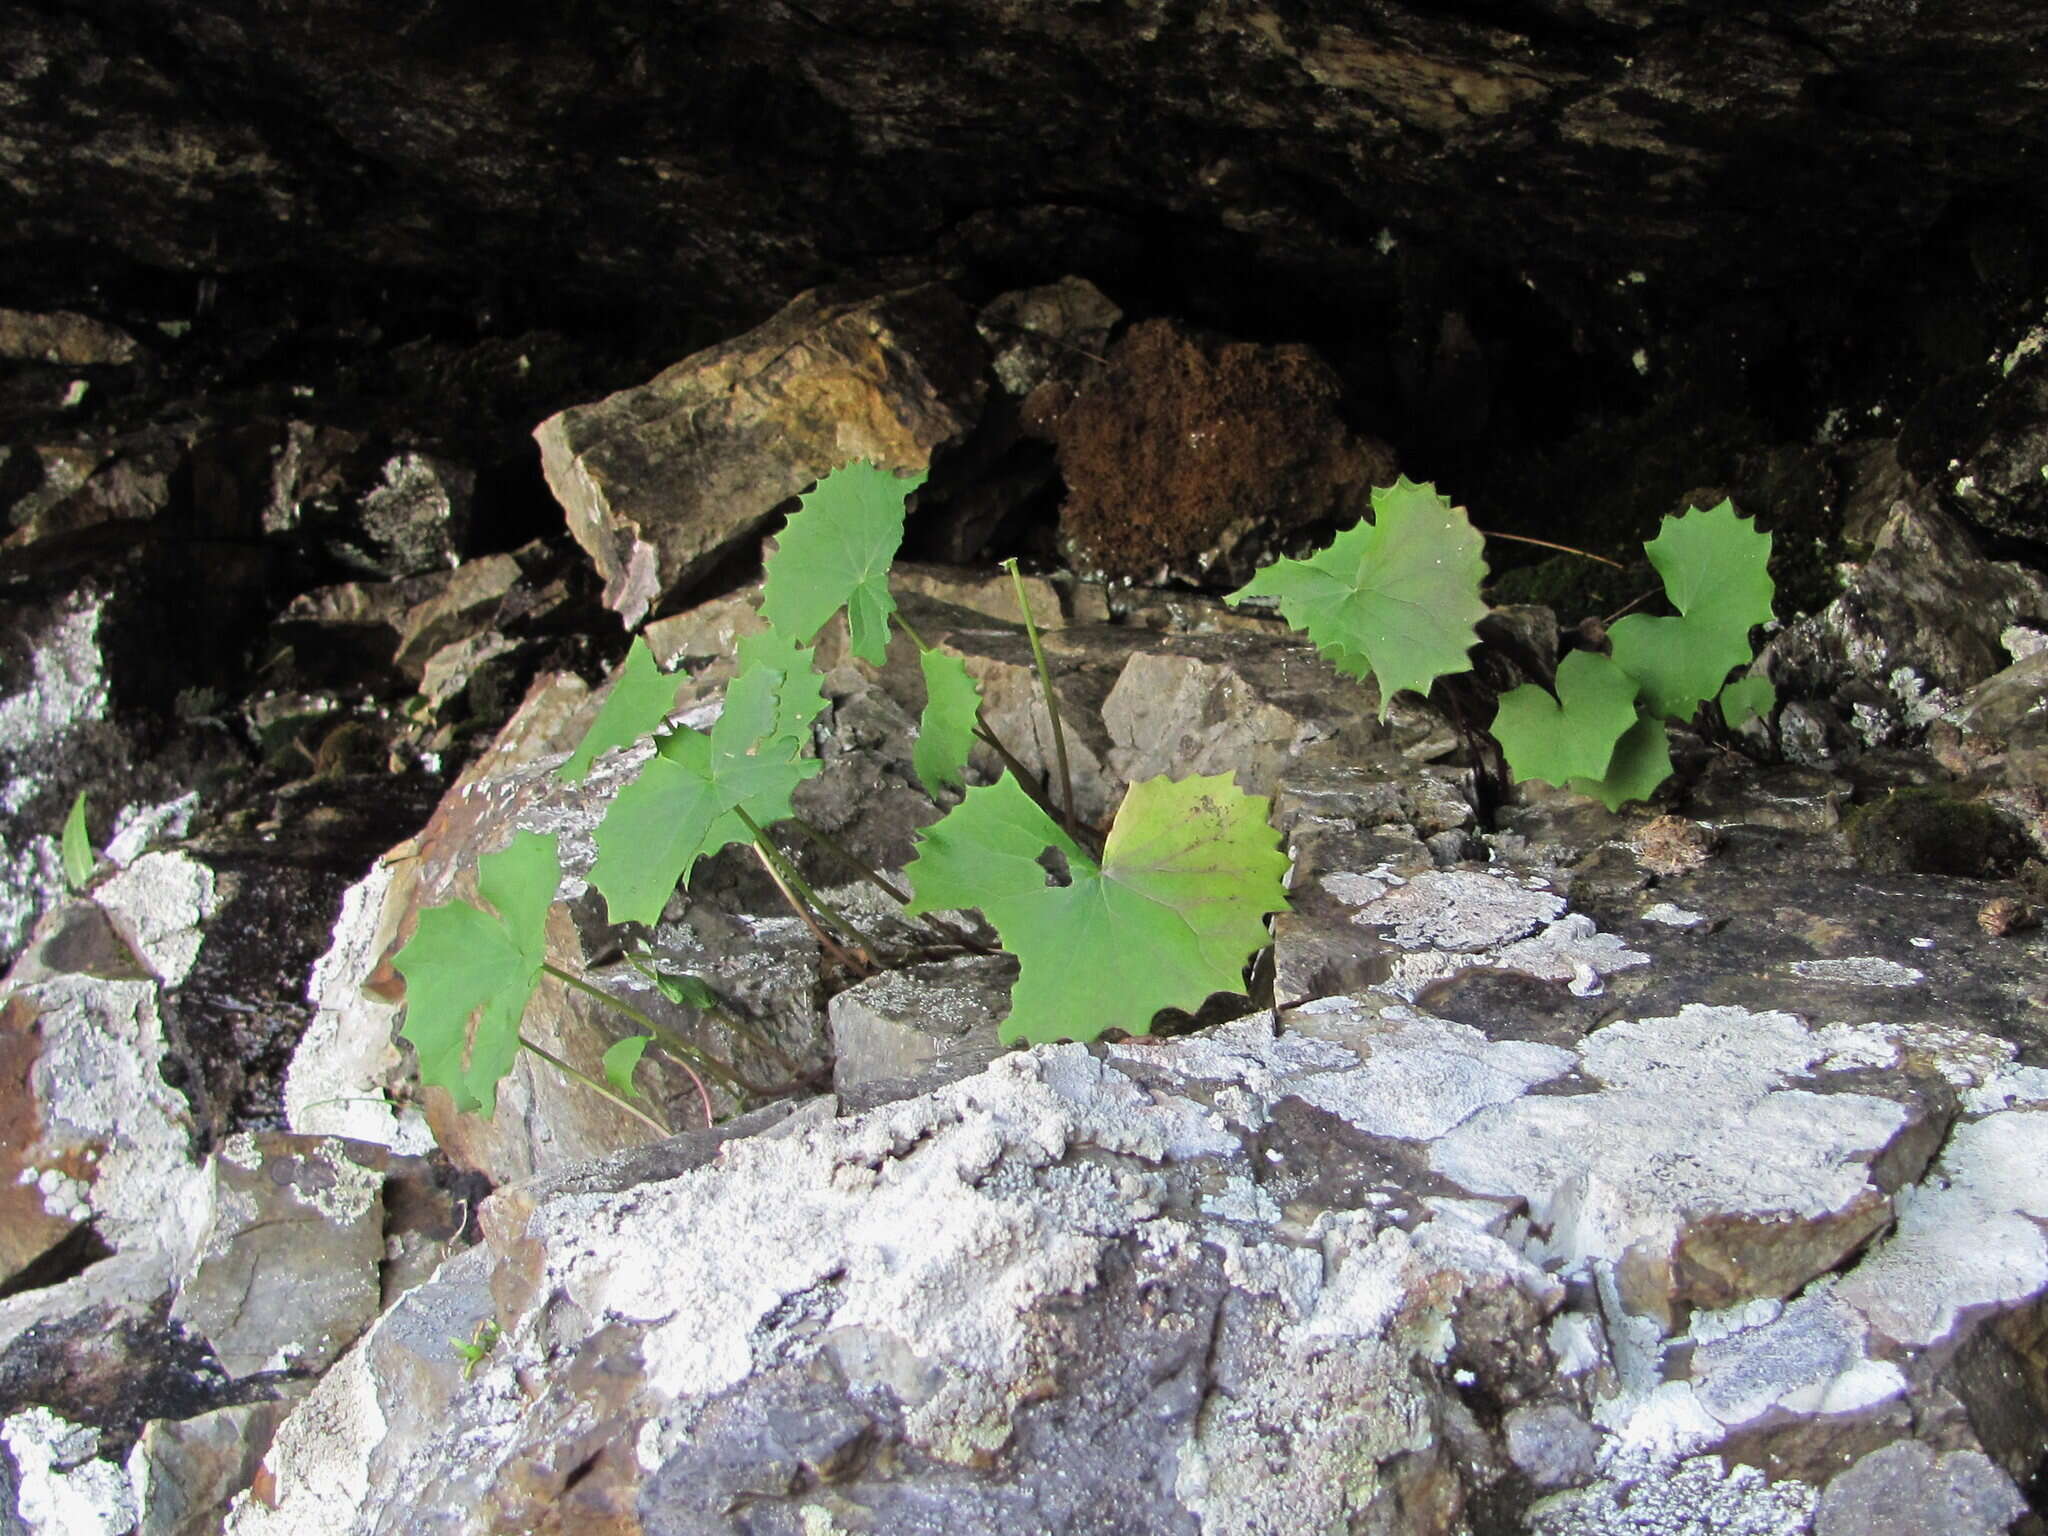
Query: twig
(1563,549)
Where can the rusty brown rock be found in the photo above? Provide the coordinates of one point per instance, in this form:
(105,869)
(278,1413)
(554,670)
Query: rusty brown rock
(1194,456)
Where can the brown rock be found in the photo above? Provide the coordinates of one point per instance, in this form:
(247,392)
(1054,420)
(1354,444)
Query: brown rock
(662,481)
(1194,456)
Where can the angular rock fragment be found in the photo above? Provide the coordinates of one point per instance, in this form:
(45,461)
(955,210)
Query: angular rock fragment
(661,482)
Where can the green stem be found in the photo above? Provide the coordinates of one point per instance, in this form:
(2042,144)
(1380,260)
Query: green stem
(670,1041)
(1052,705)
(786,874)
(854,861)
(577,1076)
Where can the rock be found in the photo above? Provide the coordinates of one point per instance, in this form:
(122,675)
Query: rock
(63,489)
(1196,458)
(97,1350)
(283,1275)
(184,1472)
(1936,833)
(403,624)
(661,482)
(1050,333)
(1993,475)
(97,1134)
(64,339)
(1895,651)
(907,1032)
(65,1485)
(1904,1489)
(1551,1445)
(1674,1242)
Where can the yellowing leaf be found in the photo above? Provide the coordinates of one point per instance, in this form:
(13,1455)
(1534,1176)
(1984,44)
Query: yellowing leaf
(1572,736)
(469,973)
(835,553)
(1398,596)
(1178,904)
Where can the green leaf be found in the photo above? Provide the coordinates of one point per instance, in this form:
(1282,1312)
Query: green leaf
(945,731)
(683,804)
(637,706)
(1746,699)
(775,669)
(1178,904)
(1398,597)
(835,553)
(75,847)
(1642,761)
(468,973)
(1572,736)
(1715,567)
(620,1058)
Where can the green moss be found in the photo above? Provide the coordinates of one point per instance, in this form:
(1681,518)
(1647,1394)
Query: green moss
(1928,831)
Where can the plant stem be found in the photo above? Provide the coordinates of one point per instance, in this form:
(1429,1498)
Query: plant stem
(1563,549)
(1052,703)
(669,1040)
(941,929)
(854,861)
(574,1075)
(800,895)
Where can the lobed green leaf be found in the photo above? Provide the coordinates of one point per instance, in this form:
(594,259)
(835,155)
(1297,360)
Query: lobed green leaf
(1642,761)
(945,731)
(1178,904)
(1572,736)
(1715,566)
(686,801)
(835,552)
(638,705)
(1397,597)
(469,973)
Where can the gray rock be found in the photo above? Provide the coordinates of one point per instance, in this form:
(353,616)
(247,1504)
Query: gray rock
(282,1275)
(1905,1489)
(1896,651)
(63,338)
(1052,331)
(1551,1445)
(185,1472)
(908,1032)
(661,482)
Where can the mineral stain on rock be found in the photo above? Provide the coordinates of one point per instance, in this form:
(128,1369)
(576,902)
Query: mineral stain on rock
(1193,456)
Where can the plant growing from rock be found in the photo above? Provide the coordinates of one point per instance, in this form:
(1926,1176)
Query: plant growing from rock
(1176,902)
(1398,600)
(1172,911)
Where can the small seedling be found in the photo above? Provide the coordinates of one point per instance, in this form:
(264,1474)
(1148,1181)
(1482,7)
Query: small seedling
(74,849)
(476,1349)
